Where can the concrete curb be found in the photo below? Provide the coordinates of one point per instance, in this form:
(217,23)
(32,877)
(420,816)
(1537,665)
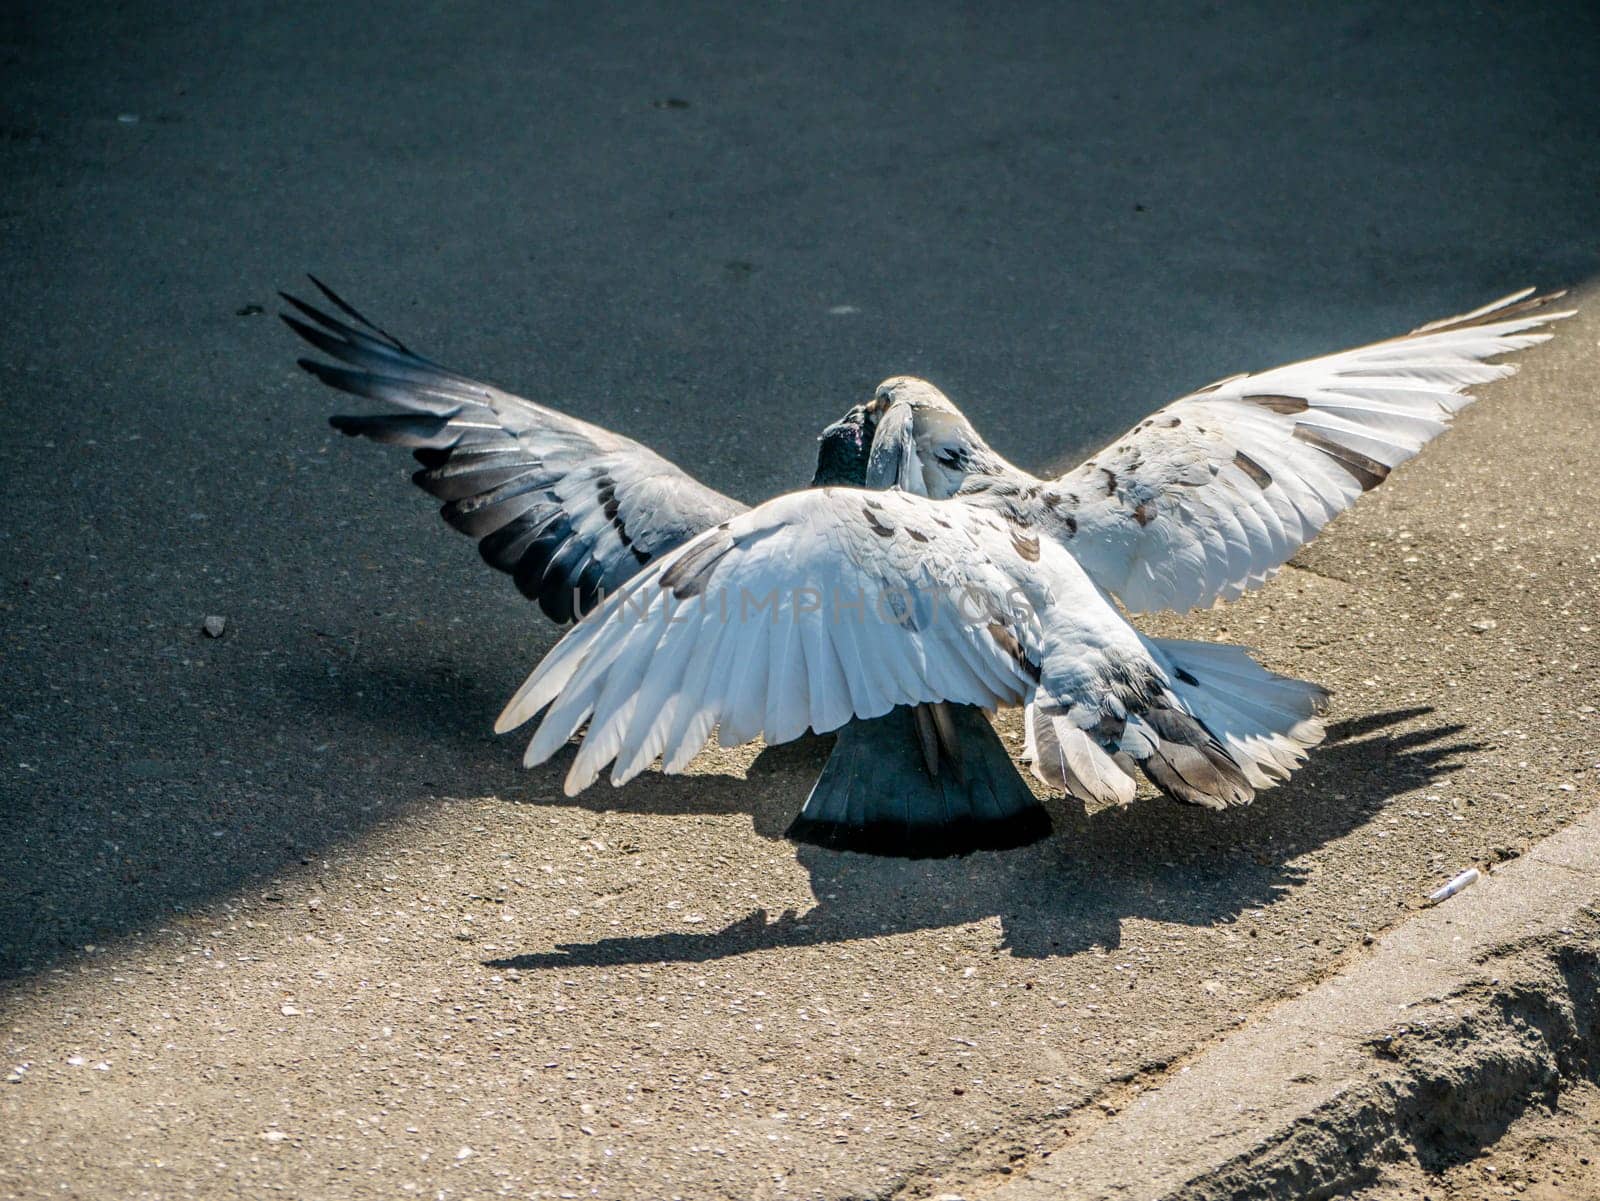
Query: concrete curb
(1425,1049)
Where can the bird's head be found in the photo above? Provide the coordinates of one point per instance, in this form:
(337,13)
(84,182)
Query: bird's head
(923,441)
(922,397)
(932,417)
(843,448)
(910,435)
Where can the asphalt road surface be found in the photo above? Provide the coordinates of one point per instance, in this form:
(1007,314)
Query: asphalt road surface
(278,913)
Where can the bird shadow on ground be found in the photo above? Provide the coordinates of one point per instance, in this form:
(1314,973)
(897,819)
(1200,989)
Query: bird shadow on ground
(1151,859)
(340,740)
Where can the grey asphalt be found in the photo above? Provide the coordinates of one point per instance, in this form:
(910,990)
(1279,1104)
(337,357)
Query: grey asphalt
(714,228)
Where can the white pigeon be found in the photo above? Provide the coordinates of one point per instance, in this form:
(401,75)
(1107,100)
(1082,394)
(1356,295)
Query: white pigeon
(968,583)
(1201,501)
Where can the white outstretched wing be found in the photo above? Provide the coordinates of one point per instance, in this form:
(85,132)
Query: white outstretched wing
(808,610)
(1211,495)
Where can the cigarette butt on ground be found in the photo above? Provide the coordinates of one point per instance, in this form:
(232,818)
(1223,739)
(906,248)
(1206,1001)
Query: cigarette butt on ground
(1465,880)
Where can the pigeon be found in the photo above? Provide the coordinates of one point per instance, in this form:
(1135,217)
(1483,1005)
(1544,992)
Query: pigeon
(571,511)
(1208,497)
(923,579)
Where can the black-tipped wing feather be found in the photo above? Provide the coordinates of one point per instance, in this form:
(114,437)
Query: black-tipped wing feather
(568,509)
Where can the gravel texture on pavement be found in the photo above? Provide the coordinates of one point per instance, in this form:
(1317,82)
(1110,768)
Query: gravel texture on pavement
(277,912)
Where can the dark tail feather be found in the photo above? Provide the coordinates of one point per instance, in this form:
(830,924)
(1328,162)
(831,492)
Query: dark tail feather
(876,796)
(1185,760)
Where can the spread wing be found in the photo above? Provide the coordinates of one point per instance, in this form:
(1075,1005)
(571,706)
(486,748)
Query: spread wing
(1211,495)
(811,609)
(836,603)
(570,510)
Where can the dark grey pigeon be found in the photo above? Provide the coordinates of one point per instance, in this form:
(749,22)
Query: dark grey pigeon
(573,511)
